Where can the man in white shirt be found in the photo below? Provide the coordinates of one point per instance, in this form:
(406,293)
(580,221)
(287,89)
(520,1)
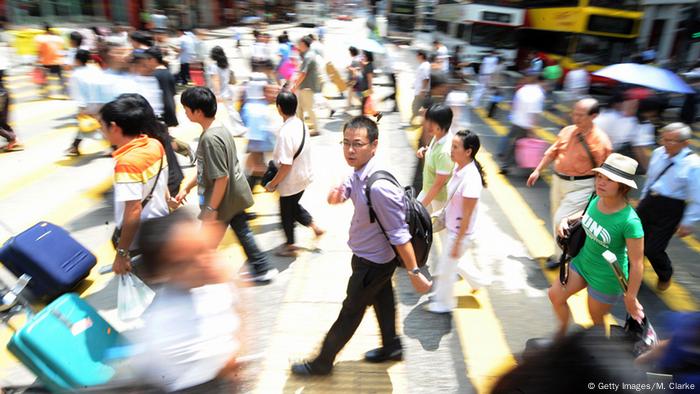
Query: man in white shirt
(421,87)
(186,49)
(292,156)
(443,56)
(670,201)
(528,103)
(577,82)
(621,125)
(83,90)
(488,67)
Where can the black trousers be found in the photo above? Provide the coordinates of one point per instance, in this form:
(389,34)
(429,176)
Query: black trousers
(369,284)
(291,211)
(184,75)
(660,217)
(5,128)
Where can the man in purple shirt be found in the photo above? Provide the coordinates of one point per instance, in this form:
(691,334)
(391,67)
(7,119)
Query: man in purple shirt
(374,260)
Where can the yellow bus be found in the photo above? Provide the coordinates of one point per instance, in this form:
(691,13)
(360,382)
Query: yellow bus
(601,32)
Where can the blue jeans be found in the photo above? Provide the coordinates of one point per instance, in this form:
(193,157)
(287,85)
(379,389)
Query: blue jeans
(256,257)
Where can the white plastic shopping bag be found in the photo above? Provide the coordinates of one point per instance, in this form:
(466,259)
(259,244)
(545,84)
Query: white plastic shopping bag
(133,297)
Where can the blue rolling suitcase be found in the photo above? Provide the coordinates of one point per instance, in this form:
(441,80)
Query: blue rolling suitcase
(66,345)
(55,261)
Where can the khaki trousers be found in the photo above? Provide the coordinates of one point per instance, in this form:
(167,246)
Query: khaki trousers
(306,104)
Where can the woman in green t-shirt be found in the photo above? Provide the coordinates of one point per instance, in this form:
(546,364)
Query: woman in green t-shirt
(610,224)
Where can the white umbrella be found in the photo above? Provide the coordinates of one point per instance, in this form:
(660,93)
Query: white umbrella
(644,75)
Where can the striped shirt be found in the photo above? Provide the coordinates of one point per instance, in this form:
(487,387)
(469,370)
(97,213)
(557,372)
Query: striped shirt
(135,169)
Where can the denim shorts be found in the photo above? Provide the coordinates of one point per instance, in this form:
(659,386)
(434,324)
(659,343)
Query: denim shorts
(609,299)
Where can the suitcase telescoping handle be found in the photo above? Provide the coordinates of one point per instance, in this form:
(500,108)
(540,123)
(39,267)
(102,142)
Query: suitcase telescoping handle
(12,297)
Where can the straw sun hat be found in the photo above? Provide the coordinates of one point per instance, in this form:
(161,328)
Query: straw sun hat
(619,168)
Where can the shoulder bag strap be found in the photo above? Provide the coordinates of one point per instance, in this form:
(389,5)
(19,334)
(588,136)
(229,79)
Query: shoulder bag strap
(148,198)
(666,169)
(376,176)
(303,139)
(583,142)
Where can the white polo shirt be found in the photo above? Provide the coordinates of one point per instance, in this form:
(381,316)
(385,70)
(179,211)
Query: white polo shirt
(527,103)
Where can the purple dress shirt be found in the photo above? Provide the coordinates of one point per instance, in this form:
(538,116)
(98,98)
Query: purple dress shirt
(366,238)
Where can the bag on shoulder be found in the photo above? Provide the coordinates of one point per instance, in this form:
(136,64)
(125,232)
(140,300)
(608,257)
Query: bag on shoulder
(571,244)
(420,225)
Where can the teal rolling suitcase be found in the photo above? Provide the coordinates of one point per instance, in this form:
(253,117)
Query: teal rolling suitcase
(65,345)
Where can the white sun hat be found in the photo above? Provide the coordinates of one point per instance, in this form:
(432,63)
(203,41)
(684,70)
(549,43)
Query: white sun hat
(619,168)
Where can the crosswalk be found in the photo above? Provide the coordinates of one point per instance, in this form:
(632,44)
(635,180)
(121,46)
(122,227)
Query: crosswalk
(74,192)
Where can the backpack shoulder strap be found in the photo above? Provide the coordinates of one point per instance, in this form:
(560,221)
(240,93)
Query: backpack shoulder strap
(377,176)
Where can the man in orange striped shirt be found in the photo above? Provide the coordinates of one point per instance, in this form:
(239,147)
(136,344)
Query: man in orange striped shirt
(140,174)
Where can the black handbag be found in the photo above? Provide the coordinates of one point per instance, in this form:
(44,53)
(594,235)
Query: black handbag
(117,234)
(571,244)
(272,169)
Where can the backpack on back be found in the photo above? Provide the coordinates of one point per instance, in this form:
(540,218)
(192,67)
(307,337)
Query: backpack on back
(420,225)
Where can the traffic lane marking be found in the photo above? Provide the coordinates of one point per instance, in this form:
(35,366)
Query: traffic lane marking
(676,298)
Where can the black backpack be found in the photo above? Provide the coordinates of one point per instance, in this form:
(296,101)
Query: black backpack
(419,222)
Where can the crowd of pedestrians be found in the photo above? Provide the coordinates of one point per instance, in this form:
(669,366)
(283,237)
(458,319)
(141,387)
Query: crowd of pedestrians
(124,87)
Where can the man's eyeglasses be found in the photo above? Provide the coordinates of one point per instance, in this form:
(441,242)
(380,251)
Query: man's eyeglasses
(353,145)
(662,140)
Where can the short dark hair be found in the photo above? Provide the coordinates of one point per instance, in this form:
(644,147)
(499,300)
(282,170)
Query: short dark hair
(422,54)
(287,101)
(154,235)
(440,114)
(353,51)
(306,40)
(369,56)
(76,38)
(142,37)
(83,56)
(363,122)
(200,98)
(155,53)
(129,113)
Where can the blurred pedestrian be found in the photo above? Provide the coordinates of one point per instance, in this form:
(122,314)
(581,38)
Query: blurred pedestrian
(579,149)
(186,51)
(292,156)
(220,74)
(421,86)
(611,224)
(6,130)
(257,118)
(222,189)
(5,51)
(528,104)
(353,74)
(195,299)
(437,166)
(50,48)
(306,84)
(488,66)
(374,259)
(577,81)
(366,84)
(442,56)
(81,88)
(140,174)
(670,202)
(461,213)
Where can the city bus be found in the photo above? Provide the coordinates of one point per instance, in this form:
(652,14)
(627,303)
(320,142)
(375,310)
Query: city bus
(480,27)
(600,32)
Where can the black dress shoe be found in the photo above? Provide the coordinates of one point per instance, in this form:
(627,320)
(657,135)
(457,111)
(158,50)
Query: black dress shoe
(306,368)
(379,355)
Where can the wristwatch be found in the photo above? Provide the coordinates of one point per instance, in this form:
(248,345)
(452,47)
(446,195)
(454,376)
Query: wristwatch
(122,252)
(414,271)
(209,208)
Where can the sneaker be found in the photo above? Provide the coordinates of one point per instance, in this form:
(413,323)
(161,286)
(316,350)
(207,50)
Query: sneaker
(12,146)
(432,307)
(73,151)
(261,277)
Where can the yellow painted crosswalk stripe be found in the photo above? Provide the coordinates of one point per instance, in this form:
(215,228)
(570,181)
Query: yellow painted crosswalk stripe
(676,297)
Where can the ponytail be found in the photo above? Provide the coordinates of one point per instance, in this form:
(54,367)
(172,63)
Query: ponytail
(481,173)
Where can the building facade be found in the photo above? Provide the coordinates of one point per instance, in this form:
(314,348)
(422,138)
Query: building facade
(667,27)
